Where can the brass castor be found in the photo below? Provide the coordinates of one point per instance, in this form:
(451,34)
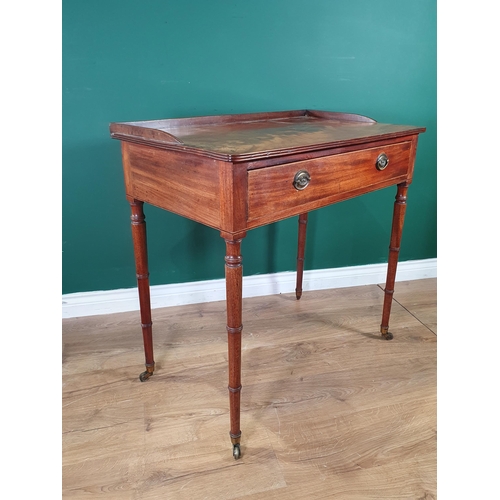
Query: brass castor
(236,451)
(386,334)
(148,373)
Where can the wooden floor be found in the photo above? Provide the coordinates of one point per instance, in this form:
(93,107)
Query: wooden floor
(329,409)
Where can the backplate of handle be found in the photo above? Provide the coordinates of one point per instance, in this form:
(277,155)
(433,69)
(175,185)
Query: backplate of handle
(382,161)
(301,180)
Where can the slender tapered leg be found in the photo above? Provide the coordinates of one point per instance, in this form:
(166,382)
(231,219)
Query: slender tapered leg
(141,265)
(234,281)
(300,254)
(396,232)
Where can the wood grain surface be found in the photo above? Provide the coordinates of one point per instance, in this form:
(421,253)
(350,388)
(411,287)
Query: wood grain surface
(329,409)
(251,136)
(271,194)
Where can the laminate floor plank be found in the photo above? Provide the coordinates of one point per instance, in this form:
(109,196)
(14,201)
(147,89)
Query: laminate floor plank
(415,297)
(329,409)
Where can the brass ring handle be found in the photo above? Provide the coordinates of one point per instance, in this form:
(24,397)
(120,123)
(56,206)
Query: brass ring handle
(382,161)
(301,180)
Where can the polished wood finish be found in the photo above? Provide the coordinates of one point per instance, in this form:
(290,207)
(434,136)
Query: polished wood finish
(239,172)
(329,411)
(235,172)
(245,138)
(234,285)
(166,179)
(396,234)
(301,254)
(272,197)
(138,224)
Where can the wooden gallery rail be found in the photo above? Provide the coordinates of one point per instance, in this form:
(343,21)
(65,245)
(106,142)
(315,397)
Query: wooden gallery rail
(239,172)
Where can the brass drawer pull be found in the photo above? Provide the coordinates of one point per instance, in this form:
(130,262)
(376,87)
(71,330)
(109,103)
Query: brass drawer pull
(301,180)
(382,161)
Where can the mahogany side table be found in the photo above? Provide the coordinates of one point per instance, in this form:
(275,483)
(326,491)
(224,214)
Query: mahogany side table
(239,172)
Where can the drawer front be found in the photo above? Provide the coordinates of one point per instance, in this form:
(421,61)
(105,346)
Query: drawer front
(272,195)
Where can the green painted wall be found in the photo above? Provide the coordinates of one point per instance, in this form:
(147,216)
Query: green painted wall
(139,60)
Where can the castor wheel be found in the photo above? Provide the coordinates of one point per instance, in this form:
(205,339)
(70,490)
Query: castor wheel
(236,451)
(150,368)
(386,334)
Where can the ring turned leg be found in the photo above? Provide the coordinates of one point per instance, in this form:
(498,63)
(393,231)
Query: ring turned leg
(396,232)
(300,254)
(141,265)
(234,281)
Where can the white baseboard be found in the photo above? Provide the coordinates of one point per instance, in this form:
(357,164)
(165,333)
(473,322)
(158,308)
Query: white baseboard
(115,301)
